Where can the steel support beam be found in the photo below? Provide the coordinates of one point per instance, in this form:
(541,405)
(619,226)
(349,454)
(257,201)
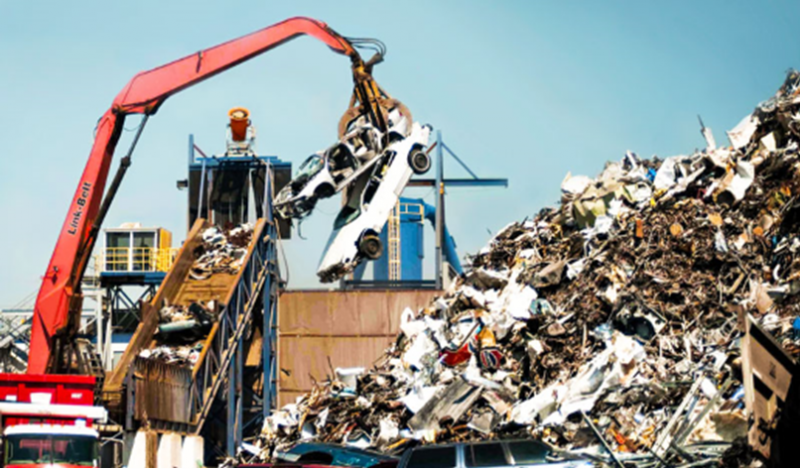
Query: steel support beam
(439,208)
(460,182)
(270,326)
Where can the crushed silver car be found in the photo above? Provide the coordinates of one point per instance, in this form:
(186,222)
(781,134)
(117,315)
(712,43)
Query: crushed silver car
(327,172)
(370,201)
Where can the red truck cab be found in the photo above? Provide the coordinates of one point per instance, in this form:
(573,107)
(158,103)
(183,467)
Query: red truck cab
(46,421)
(45,445)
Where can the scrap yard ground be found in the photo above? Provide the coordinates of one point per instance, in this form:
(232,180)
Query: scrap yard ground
(628,296)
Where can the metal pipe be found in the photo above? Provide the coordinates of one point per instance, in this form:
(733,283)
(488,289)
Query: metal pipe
(202,190)
(449,247)
(439,208)
(177,326)
(188,178)
(601,439)
(267,210)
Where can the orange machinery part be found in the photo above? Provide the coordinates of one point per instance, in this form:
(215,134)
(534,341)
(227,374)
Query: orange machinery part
(240,120)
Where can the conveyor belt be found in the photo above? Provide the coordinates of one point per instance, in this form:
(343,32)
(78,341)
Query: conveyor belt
(178,397)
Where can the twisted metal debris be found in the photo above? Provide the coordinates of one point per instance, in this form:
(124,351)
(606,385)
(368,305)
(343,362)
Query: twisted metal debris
(608,323)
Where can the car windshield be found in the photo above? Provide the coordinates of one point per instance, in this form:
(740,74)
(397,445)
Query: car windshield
(51,449)
(311,166)
(346,215)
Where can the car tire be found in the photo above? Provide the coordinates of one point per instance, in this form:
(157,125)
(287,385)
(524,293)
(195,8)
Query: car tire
(419,161)
(370,246)
(324,191)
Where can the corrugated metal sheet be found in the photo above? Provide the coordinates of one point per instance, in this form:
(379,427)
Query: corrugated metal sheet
(351,328)
(162,392)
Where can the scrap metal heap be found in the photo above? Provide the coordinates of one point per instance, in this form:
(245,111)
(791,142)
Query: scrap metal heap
(609,322)
(183,328)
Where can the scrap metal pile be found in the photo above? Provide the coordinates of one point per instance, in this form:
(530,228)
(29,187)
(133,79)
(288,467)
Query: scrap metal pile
(183,328)
(607,326)
(221,251)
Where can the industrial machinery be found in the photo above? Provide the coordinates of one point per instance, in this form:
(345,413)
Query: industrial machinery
(54,349)
(59,297)
(47,421)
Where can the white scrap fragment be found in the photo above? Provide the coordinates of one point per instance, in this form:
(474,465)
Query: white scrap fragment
(534,348)
(742,179)
(477,297)
(708,387)
(575,268)
(667,174)
(544,403)
(741,134)
(309,431)
(420,347)
(611,294)
(322,419)
(417,398)
(720,157)
(768,141)
(389,430)
(409,325)
(519,303)
(615,208)
(640,192)
(575,185)
(719,242)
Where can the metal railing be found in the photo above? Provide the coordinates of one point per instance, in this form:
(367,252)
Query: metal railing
(135,259)
(407,208)
(223,355)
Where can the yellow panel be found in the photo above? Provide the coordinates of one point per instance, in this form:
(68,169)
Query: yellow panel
(164,238)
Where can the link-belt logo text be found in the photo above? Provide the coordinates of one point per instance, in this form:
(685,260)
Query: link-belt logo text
(77,212)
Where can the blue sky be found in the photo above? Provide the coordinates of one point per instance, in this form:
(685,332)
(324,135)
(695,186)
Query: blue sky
(521,89)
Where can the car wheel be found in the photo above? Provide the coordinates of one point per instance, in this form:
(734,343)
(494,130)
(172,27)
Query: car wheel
(419,161)
(370,246)
(324,191)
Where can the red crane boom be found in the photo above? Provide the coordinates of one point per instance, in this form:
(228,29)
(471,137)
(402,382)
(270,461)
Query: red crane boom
(59,302)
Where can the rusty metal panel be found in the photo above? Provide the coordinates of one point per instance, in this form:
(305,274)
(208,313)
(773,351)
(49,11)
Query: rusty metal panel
(162,392)
(306,358)
(347,313)
(351,328)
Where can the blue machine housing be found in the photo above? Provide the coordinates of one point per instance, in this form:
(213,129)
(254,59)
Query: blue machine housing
(413,212)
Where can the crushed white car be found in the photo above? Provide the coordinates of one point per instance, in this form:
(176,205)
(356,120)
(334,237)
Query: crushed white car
(326,173)
(370,201)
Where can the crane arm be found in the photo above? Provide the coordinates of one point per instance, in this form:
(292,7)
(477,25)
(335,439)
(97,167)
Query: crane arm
(148,90)
(59,302)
